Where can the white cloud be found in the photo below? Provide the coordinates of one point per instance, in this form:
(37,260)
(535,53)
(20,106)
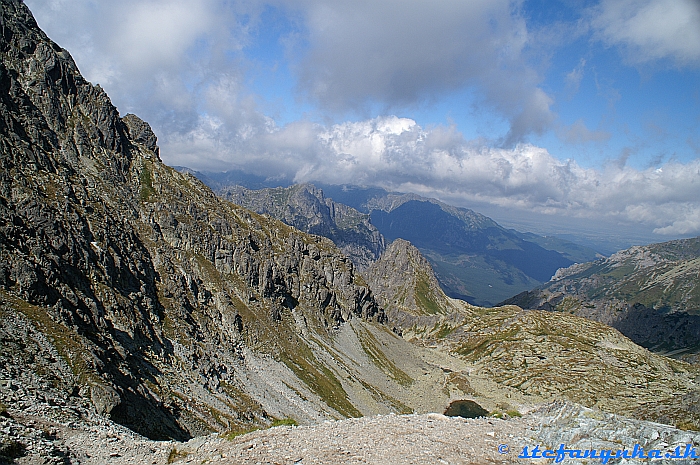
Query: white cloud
(578,133)
(398,54)
(180,69)
(574,78)
(650,30)
(398,154)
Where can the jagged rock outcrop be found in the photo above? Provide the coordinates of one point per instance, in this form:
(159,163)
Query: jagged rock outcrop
(307,209)
(405,285)
(650,293)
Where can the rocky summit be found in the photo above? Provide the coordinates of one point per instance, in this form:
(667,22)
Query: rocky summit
(143,319)
(169,310)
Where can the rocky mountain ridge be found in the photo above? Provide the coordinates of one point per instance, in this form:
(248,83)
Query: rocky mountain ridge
(174,312)
(475,259)
(306,208)
(650,293)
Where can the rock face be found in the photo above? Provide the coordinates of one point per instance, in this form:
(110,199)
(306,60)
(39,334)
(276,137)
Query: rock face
(155,302)
(307,209)
(651,294)
(405,285)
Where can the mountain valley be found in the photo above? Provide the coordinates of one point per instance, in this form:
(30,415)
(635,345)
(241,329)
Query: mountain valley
(474,258)
(144,319)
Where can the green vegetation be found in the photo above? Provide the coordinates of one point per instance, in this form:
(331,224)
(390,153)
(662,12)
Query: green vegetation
(67,343)
(464,276)
(240,431)
(284,422)
(371,347)
(233,434)
(146,184)
(568,305)
(688,426)
(425,296)
(444,331)
(505,415)
(320,379)
(176,455)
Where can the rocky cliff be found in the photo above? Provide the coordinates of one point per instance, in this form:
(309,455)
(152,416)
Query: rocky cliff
(406,287)
(164,307)
(307,209)
(650,293)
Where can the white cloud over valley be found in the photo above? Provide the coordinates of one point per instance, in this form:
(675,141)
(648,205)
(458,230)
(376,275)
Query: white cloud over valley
(398,154)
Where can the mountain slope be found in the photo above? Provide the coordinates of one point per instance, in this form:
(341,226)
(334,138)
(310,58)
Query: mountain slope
(474,258)
(650,293)
(307,209)
(530,355)
(404,284)
(162,306)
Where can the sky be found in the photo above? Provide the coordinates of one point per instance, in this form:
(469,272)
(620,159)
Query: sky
(553,116)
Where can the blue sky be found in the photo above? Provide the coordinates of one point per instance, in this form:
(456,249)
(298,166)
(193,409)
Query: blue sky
(535,112)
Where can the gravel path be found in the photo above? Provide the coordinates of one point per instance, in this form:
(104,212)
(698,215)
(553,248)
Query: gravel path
(390,439)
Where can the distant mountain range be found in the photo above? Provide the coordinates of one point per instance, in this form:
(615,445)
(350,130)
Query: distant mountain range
(650,293)
(307,209)
(475,259)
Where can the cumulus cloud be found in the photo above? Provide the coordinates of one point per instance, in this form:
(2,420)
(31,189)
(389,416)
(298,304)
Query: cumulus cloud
(368,51)
(154,57)
(179,65)
(651,30)
(160,55)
